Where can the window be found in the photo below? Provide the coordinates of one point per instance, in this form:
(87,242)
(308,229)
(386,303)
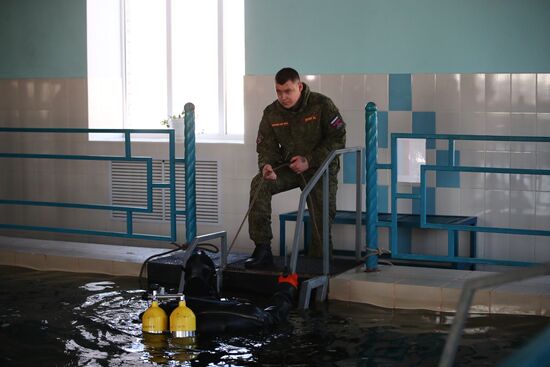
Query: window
(147,58)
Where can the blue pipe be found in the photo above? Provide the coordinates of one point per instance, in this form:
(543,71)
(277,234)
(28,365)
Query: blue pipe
(190,174)
(371,144)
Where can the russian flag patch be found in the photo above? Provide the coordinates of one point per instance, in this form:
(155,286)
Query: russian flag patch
(337,122)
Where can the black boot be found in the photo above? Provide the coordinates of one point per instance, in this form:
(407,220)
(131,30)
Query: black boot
(261,257)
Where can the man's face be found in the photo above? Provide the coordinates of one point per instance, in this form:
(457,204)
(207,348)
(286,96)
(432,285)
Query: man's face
(289,93)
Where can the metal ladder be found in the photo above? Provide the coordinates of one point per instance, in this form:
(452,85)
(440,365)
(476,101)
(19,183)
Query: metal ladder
(322,281)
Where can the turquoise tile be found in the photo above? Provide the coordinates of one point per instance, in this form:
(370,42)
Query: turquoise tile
(446,179)
(382,129)
(424,123)
(430,200)
(349,169)
(349,178)
(383,206)
(400,92)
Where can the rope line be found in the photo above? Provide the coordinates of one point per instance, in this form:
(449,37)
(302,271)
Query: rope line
(250,208)
(255,196)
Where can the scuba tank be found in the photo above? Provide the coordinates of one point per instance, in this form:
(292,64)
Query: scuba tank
(154,320)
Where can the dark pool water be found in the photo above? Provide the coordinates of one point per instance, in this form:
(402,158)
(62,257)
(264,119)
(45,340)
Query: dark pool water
(67,319)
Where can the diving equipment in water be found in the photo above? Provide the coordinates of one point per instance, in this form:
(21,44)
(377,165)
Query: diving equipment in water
(154,320)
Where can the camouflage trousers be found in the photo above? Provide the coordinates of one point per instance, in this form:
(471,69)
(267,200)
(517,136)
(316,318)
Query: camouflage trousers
(259,219)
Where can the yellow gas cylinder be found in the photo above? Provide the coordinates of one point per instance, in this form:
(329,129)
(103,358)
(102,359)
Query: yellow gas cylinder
(154,320)
(183,323)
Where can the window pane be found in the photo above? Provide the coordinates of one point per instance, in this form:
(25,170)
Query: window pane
(105,91)
(139,72)
(145,47)
(195,71)
(233,19)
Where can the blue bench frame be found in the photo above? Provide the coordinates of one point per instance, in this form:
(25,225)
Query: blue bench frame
(405,223)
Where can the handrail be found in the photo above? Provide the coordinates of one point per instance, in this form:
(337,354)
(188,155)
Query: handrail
(125,157)
(452,166)
(189,160)
(323,171)
(468,290)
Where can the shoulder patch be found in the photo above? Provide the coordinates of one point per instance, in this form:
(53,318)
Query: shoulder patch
(336,122)
(259,139)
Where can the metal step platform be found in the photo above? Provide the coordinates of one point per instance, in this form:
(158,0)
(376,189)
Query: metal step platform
(166,272)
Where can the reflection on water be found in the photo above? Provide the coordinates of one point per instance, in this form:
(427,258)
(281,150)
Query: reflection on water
(65,319)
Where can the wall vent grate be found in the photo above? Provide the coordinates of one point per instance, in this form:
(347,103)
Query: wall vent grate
(129,187)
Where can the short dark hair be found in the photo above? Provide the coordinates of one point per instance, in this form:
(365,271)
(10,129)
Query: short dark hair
(286,74)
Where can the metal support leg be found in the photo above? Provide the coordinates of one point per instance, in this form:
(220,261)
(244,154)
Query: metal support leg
(307,286)
(282,237)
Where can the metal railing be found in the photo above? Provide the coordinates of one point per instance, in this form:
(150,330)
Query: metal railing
(128,157)
(188,160)
(466,297)
(452,167)
(323,171)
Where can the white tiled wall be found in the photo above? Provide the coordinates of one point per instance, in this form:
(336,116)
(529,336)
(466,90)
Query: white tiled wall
(492,104)
(502,104)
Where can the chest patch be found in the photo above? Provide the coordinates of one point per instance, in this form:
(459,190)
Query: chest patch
(311,118)
(279,124)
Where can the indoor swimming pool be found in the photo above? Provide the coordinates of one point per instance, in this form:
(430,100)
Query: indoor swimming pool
(68,319)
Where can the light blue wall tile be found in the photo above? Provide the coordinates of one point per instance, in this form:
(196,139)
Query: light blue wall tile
(349,169)
(446,179)
(382,129)
(430,203)
(400,92)
(383,206)
(349,178)
(424,123)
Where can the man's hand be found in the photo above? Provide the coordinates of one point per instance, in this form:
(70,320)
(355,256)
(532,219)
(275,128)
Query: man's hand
(299,164)
(268,173)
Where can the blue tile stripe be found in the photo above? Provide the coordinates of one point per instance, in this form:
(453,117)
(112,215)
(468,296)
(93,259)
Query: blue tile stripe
(400,92)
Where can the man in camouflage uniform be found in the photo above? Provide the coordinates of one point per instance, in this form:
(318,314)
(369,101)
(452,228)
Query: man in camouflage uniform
(297,132)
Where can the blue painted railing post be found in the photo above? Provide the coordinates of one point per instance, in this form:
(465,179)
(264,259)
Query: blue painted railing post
(371,145)
(190,174)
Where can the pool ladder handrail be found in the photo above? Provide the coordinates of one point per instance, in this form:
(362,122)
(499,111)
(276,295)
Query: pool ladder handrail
(323,171)
(467,295)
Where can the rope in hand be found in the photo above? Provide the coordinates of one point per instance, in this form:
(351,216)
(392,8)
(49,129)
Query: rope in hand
(250,207)
(254,200)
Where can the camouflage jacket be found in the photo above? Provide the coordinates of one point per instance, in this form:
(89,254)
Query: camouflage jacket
(313,128)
